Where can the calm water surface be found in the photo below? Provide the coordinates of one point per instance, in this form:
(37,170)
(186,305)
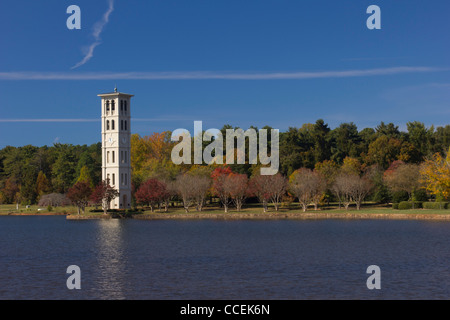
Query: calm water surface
(208,259)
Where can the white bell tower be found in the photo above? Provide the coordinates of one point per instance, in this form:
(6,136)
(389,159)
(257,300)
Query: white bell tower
(116,145)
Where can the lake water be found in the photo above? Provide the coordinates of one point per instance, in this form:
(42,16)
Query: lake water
(209,259)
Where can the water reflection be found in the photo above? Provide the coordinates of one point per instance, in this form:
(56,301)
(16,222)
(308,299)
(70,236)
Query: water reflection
(110,279)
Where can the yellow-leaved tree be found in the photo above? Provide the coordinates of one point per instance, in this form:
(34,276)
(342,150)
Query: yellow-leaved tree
(150,157)
(436,175)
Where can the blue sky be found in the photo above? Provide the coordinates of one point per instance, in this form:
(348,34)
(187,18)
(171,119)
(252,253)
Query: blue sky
(277,63)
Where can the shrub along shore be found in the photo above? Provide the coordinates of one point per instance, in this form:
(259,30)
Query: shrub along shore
(407,205)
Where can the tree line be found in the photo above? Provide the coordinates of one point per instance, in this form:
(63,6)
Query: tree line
(347,184)
(27,173)
(387,164)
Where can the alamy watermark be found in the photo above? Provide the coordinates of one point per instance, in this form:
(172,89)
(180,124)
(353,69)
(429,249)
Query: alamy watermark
(374,281)
(74,281)
(259,147)
(74,21)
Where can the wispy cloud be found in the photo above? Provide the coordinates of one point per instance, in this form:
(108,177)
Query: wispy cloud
(97,31)
(373,58)
(208,75)
(440,85)
(166,119)
(48,120)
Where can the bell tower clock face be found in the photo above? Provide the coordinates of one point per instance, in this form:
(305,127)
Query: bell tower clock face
(110,140)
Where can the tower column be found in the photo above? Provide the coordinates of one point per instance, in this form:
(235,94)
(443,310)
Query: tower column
(116,145)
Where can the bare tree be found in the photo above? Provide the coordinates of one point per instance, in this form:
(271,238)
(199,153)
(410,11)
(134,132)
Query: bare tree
(183,185)
(337,190)
(279,185)
(261,188)
(171,192)
(268,188)
(361,188)
(237,184)
(308,186)
(351,188)
(200,187)
(341,189)
(54,200)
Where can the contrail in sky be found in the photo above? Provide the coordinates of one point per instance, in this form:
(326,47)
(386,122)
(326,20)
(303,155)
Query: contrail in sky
(98,28)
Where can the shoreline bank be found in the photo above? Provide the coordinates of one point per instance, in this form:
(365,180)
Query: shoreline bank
(276,216)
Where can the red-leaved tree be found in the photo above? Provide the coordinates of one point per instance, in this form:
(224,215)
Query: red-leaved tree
(237,184)
(152,193)
(103,194)
(79,195)
(261,188)
(220,187)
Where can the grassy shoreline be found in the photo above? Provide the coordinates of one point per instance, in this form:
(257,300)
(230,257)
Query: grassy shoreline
(250,212)
(310,215)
